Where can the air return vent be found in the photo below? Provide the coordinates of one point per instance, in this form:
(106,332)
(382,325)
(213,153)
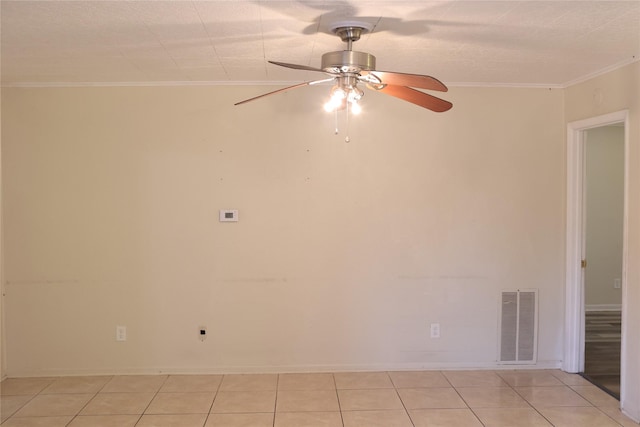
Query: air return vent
(519,326)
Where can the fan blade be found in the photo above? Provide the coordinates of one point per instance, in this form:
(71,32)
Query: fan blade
(416,97)
(296,66)
(284,89)
(411,80)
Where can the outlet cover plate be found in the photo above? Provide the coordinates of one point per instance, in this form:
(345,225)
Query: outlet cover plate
(121,333)
(435,330)
(228,215)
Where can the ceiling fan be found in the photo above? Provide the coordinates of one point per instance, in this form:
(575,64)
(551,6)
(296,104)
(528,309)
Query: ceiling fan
(348,68)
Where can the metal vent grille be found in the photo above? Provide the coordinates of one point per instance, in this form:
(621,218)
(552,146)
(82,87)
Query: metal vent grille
(518,326)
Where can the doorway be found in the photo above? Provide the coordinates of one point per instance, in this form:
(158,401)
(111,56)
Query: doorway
(602,215)
(576,243)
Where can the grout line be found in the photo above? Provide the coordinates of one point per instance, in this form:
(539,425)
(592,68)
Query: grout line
(335,385)
(513,387)
(22,406)
(215,396)
(275,403)
(151,401)
(406,411)
(81,409)
(466,403)
(610,417)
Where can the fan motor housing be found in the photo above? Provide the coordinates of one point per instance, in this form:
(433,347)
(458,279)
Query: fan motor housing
(348,61)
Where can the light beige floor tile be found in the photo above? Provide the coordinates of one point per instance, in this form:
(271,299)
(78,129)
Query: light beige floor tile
(617,415)
(77,385)
(579,416)
(444,418)
(474,379)
(363,400)
(181,420)
(551,396)
(492,397)
(362,380)
(249,382)
(240,420)
(569,379)
(320,381)
(307,400)
(181,403)
(418,379)
(24,386)
(134,384)
(429,398)
(189,383)
(244,402)
(118,404)
(38,422)
(510,417)
(376,419)
(596,396)
(105,421)
(310,399)
(308,419)
(49,405)
(10,404)
(529,378)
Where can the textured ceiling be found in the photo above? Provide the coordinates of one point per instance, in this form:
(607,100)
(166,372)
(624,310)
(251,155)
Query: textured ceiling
(460,42)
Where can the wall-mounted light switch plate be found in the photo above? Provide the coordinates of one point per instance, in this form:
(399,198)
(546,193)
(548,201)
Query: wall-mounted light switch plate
(617,283)
(228,215)
(121,333)
(435,330)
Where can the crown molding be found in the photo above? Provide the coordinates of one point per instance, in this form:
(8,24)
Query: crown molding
(564,85)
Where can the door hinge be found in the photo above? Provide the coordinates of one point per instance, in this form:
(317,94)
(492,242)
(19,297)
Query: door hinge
(583,263)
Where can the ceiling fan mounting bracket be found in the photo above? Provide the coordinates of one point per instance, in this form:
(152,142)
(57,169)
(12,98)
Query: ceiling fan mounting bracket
(350,31)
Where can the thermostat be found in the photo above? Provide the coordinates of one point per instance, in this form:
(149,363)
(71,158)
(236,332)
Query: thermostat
(227,215)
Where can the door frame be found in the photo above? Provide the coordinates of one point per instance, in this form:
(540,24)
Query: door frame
(573,360)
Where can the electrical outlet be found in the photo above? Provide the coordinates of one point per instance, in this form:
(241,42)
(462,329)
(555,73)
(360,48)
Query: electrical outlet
(121,333)
(617,283)
(228,215)
(435,330)
(202,333)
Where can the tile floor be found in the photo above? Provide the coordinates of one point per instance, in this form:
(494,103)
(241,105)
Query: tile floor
(358,399)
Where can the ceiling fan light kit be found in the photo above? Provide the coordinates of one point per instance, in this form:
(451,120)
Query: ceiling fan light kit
(347,68)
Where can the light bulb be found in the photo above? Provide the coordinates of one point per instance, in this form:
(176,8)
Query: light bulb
(329,106)
(332,104)
(338,93)
(338,96)
(355,107)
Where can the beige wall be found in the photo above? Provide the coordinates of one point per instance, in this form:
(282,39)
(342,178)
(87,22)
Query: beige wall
(2,333)
(604,204)
(616,91)
(343,255)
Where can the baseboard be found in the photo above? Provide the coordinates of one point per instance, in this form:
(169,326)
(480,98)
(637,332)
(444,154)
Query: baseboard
(220,370)
(634,416)
(603,307)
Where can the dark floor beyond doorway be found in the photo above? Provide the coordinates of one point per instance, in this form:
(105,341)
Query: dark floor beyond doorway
(602,350)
